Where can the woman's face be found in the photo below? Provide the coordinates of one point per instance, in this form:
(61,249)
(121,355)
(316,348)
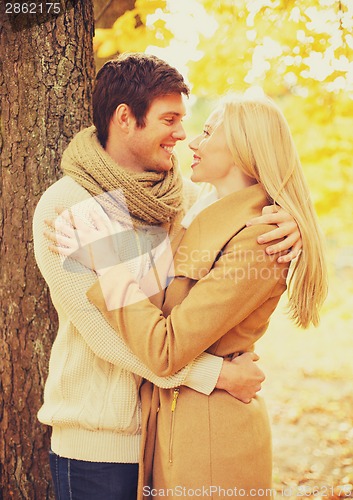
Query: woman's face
(212,160)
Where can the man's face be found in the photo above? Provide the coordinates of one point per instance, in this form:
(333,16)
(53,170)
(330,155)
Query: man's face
(151,148)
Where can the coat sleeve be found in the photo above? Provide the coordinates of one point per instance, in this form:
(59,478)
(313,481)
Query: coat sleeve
(68,286)
(242,280)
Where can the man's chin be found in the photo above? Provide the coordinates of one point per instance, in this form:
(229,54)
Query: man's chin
(162,168)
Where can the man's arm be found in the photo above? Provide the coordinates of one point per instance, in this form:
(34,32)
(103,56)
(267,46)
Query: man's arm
(241,378)
(68,286)
(217,303)
(287,231)
(68,291)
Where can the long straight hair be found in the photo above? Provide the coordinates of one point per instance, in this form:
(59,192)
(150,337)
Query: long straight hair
(262,146)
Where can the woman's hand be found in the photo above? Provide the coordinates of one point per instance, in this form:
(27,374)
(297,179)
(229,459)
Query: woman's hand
(74,237)
(287,228)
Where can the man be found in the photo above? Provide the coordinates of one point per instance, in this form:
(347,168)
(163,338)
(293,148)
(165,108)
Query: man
(91,395)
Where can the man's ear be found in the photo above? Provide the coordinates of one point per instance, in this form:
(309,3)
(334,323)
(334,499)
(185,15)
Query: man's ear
(123,117)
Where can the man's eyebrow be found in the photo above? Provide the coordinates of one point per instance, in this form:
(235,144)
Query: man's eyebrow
(174,113)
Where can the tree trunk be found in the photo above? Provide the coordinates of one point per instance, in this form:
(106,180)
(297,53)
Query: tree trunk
(46,74)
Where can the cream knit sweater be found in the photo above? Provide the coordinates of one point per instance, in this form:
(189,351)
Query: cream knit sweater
(91,394)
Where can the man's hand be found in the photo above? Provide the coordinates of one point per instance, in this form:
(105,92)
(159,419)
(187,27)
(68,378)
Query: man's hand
(241,377)
(287,228)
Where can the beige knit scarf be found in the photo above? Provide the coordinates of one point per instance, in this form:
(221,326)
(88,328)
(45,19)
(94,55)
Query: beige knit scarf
(141,198)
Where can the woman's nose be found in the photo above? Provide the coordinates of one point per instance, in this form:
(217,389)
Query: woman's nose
(194,144)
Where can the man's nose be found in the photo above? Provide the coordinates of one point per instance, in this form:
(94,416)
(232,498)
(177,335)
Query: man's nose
(179,133)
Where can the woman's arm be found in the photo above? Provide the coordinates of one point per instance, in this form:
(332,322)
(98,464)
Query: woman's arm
(242,280)
(68,286)
(71,236)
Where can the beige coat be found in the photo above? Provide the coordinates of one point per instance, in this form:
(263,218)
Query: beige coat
(224,291)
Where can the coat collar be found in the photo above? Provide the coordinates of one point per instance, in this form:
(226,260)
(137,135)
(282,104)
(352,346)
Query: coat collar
(213,228)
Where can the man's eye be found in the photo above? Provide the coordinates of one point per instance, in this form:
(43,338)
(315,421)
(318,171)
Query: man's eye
(169,120)
(206,133)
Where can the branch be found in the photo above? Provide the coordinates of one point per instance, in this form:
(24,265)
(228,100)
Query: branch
(103,10)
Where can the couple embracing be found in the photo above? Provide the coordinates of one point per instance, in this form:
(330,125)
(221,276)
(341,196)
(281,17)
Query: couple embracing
(154,357)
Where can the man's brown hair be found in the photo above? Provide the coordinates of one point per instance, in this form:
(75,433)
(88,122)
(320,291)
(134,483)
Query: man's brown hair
(134,79)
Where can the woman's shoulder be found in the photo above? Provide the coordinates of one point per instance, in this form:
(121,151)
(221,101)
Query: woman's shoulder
(244,248)
(247,236)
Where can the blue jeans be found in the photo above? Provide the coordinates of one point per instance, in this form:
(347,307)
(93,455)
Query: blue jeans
(80,480)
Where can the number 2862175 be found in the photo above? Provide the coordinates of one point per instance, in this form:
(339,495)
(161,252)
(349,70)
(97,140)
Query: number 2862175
(33,8)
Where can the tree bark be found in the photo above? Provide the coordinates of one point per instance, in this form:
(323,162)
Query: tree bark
(46,75)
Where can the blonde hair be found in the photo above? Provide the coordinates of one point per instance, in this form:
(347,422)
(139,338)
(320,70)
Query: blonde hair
(262,146)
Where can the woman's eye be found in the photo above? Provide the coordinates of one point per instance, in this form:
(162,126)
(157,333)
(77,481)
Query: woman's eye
(206,133)
(169,120)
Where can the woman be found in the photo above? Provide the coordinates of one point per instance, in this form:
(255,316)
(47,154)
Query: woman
(224,290)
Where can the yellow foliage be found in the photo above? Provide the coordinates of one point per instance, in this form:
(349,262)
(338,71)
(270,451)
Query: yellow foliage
(287,34)
(105,44)
(125,23)
(130,33)
(144,8)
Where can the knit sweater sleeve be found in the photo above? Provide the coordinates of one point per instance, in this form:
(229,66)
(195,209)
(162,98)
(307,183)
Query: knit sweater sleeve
(68,284)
